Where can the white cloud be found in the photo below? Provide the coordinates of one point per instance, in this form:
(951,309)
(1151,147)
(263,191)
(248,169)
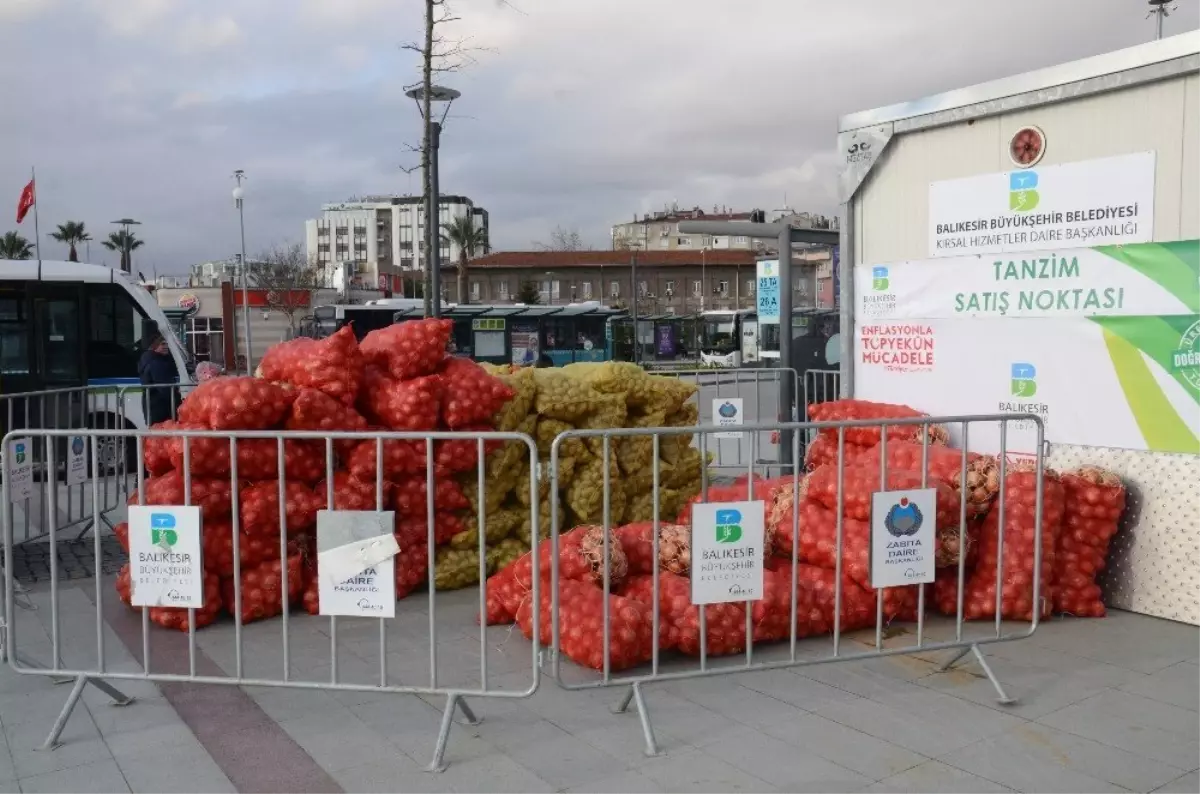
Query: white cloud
(201,34)
(13,11)
(577,112)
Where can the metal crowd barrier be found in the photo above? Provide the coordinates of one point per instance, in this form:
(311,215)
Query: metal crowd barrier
(98,670)
(820,386)
(761,659)
(758,390)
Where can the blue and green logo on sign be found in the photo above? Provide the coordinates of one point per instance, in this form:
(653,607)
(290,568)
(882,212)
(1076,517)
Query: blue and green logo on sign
(1022,191)
(1024,380)
(729,526)
(879,279)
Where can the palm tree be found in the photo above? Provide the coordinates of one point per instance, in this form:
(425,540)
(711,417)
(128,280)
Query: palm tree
(72,233)
(461,232)
(14,246)
(126,242)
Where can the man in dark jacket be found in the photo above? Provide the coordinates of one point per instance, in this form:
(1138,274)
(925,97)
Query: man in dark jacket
(157,369)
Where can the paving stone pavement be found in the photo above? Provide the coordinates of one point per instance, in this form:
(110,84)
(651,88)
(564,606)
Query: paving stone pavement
(1105,705)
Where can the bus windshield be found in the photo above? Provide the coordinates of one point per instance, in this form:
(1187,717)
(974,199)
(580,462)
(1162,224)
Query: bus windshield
(720,334)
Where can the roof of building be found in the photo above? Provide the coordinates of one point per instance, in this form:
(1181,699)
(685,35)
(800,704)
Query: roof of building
(566,259)
(696,213)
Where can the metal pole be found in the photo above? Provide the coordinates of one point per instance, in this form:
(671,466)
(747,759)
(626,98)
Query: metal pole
(433,222)
(637,337)
(785,343)
(239,176)
(703,276)
(846,258)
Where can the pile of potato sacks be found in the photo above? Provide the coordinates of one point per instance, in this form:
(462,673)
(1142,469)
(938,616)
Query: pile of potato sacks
(548,402)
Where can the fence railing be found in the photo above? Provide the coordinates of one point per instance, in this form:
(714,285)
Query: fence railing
(174,559)
(820,386)
(801,551)
(741,397)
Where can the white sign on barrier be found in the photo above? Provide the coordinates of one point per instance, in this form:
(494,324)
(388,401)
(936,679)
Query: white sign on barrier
(165,564)
(727,412)
(20,470)
(903,540)
(727,552)
(77,448)
(356,563)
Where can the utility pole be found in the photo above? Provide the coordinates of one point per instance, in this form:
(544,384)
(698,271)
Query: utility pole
(239,193)
(1160,10)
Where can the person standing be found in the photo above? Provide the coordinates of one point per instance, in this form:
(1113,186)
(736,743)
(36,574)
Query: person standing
(157,369)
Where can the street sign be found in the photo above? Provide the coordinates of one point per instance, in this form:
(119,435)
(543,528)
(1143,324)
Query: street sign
(727,552)
(903,540)
(768,291)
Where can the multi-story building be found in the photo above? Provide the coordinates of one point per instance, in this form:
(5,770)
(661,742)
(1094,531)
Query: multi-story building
(659,231)
(667,282)
(369,240)
(205,274)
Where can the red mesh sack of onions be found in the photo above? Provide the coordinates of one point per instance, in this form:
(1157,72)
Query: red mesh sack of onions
(845,410)
(408,349)
(333,365)
(1094,500)
(414,530)
(772,614)
(824,449)
(237,404)
(504,597)
(316,411)
(214,496)
(156,450)
(258,458)
(452,456)
(262,589)
(1016,590)
(858,604)
(945,464)
(410,496)
(859,482)
(404,405)
(470,395)
(174,617)
(253,550)
(679,618)
(260,508)
(400,457)
(581,626)
(580,558)
(351,493)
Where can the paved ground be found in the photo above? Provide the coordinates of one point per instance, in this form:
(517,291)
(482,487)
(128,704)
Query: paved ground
(1106,705)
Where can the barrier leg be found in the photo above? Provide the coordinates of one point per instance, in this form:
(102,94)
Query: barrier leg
(634,695)
(438,764)
(119,698)
(469,717)
(61,721)
(1002,696)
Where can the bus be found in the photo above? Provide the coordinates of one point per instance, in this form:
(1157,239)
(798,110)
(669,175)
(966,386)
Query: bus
(69,325)
(729,338)
(498,334)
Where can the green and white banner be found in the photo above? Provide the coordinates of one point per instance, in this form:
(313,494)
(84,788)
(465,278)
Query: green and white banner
(1102,343)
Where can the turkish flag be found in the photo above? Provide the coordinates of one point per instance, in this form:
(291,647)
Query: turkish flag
(26,201)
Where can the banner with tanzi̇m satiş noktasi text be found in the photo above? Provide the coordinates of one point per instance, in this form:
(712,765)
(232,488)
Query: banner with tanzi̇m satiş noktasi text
(1103,344)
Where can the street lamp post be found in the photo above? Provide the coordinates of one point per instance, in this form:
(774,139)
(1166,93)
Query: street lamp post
(432,199)
(239,194)
(126,250)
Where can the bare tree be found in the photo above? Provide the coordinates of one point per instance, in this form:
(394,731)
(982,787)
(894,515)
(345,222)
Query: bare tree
(439,55)
(561,239)
(288,276)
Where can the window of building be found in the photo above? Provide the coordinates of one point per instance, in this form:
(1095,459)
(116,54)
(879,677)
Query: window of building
(206,339)
(614,289)
(587,290)
(670,285)
(476,290)
(341,231)
(749,286)
(697,288)
(684,242)
(502,290)
(723,288)
(739,240)
(643,289)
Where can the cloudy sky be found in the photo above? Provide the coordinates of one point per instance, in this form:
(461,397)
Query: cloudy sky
(574,112)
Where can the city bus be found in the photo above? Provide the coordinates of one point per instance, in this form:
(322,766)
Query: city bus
(729,338)
(69,325)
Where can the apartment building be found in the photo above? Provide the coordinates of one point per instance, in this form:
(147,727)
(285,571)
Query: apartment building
(666,282)
(659,231)
(366,241)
